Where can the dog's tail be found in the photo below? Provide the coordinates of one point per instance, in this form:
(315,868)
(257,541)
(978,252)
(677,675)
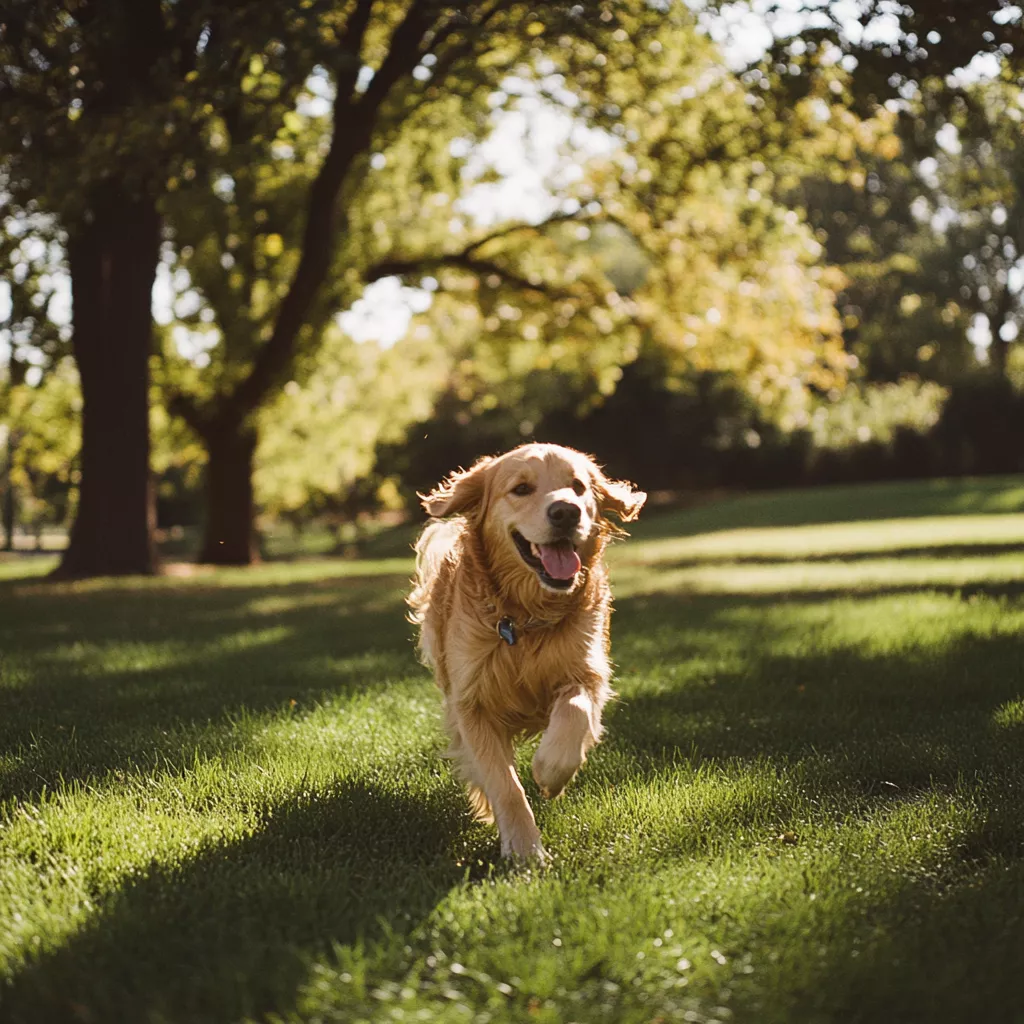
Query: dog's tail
(434,545)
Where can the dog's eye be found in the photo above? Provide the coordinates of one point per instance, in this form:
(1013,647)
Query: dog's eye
(523,489)
(579,487)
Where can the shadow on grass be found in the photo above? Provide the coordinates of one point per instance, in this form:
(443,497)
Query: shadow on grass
(685,596)
(230,931)
(97,682)
(233,927)
(909,717)
(935,551)
(869,730)
(814,506)
(959,959)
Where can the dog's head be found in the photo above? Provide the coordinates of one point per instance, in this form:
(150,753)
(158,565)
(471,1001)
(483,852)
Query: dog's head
(541,511)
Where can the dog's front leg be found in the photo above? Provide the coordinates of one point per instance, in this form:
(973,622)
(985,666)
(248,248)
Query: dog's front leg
(492,767)
(573,728)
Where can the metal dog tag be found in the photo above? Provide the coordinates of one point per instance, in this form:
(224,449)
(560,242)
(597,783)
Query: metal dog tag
(507,630)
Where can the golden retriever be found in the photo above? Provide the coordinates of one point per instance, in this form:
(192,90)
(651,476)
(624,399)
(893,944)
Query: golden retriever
(512,599)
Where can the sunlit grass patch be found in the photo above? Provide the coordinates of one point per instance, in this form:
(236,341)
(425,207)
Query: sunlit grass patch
(222,797)
(1010,715)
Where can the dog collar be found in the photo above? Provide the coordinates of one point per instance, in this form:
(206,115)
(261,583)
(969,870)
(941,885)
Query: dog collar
(508,630)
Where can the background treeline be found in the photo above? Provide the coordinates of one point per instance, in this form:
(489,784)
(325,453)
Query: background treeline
(603,227)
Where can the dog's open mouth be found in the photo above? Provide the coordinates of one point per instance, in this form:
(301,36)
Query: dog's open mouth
(556,564)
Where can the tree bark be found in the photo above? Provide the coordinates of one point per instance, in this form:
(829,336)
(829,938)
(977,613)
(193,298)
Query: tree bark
(999,350)
(999,355)
(9,513)
(355,118)
(230,534)
(113,261)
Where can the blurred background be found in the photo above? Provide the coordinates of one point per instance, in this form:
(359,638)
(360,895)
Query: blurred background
(268,270)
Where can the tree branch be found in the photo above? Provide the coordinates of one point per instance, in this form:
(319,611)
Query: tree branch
(475,265)
(347,73)
(353,127)
(403,55)
(453,54)
(468,258)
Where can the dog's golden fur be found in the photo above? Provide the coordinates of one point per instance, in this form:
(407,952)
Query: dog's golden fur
(555,678)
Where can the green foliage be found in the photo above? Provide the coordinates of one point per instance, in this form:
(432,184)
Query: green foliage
(43,424)
(717,277)
(980,177)
(874,412)
(772,229)
(46,418)
(896,48)
(35,330)
(319,438)
(926,230)
(825,762)
(129,94)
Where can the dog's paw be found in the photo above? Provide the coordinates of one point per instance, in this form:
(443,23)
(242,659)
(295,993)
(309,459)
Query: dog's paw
(552,774)
(524,845)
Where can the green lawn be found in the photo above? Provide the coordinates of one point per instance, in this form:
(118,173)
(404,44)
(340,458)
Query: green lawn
(221,798)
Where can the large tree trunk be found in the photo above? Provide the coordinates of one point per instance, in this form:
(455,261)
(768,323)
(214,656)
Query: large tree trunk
(9,513)
(230,533)
(998,353)
(113,262)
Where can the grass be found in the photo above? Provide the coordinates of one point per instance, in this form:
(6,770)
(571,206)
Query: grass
(221,798)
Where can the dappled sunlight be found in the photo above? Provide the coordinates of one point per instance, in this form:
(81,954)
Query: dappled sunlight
(362,854)
(693,638)
(277,604)
(240,776)
(125,676)
(886,555)
(840,504)
(779,912)
(110,660)
(18,567)
(318,571)
(270,273)
(834,578)
(1010,715)
(835,540)
(164,820)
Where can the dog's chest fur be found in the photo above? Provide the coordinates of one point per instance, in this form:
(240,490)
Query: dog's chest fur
(515,684)
(518,684)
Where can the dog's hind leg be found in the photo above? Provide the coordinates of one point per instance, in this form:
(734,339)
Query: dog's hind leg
(478,802)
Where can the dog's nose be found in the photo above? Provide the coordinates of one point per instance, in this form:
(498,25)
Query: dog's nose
(564,515)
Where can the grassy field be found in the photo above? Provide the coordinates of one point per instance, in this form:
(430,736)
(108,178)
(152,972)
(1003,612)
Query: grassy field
(221,798)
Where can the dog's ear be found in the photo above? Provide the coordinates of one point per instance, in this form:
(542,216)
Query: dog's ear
(463,492)
(619,497)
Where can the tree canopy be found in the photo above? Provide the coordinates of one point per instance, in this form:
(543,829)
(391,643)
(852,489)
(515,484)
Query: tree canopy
(847,208)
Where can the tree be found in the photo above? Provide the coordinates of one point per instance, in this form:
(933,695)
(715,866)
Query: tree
(899,313)
(107,107)
(73,83)
(34,329)
(289,234)
(318,438)
(979,195)
(730,299)
(896,45)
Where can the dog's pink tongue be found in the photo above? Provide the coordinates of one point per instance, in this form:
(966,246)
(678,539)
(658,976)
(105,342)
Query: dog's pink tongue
(560,560)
